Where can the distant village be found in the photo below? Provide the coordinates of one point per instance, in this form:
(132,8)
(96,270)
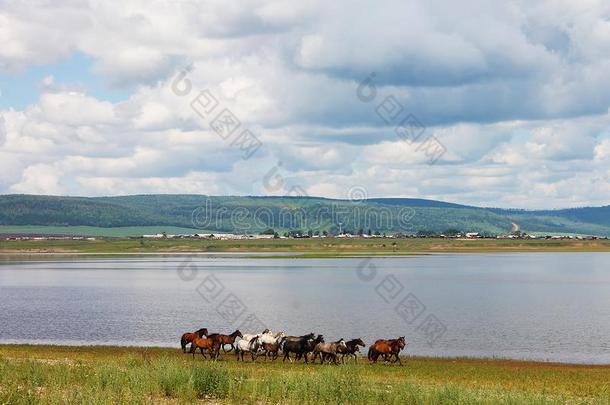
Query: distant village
(395,235)
(304,235)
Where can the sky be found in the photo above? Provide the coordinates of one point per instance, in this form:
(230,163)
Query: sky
(490,103)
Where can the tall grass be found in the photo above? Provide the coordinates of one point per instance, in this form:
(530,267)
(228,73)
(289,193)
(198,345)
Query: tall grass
(173,378)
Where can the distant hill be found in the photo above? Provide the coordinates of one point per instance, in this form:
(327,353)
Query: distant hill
(255,214)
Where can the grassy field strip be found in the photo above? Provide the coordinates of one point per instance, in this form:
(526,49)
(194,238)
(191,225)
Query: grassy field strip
(309,247)
(53,374)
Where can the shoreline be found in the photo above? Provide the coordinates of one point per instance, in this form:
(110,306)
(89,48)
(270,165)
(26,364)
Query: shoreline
(66,347)
(297,248)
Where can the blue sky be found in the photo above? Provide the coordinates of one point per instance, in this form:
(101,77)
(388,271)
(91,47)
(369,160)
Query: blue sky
(486,103)
(22,87)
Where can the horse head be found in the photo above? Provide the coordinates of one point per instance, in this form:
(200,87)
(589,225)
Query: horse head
(401,342)
(266,331)
(341,343)
(358,342)
(319,339)
(236,334)
(279,335)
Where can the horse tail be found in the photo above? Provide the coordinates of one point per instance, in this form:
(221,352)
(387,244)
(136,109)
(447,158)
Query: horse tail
(370,354)
(183,343)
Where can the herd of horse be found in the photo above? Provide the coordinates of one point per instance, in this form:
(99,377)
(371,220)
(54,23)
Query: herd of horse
(270,345)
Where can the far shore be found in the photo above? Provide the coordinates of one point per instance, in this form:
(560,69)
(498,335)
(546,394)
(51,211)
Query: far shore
(299,248)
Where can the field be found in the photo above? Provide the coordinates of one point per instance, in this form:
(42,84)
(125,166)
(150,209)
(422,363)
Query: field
(54,374)
(121,231)
(315,247)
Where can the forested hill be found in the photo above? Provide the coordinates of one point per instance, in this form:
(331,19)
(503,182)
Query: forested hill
(254,214)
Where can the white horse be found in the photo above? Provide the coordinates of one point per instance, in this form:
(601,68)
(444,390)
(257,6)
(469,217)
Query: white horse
(247,346)
(249,336)
(271,338)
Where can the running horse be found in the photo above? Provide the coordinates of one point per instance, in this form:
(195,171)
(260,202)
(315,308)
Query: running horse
(388,349)
(222,340)
(351,347)
(271,344)
(247,346)
(299,345)
(188,337)
(328,351)
(202,344)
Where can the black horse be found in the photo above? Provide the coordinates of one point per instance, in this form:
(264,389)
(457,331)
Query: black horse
(300,345)
(351,347)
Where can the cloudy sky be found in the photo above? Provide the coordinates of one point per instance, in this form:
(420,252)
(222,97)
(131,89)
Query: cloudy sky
(481,102)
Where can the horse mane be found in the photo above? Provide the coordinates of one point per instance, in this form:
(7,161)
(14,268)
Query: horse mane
(201,332)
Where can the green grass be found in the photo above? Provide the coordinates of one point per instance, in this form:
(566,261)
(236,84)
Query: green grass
(330,247)
(55,374)
(117,232)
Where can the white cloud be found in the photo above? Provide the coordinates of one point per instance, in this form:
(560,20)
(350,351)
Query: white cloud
(515,91)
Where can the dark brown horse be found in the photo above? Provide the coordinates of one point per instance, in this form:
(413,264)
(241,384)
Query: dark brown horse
(351,347)
(190,336)
(222,340)
(388,349)
(202,344)
(300,346)
(271,350)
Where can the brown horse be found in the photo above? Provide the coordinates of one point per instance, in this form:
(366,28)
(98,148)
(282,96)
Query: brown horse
(222,340)
(190,336)
(202,344)
(271,350)
(387,349)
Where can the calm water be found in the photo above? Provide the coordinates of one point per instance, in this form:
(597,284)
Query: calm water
(536,306)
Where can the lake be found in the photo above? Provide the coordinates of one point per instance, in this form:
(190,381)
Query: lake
(542,306)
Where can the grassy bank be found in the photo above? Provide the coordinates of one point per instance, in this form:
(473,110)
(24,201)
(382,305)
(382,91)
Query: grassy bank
(309,247)
(53,374)
(77,230)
